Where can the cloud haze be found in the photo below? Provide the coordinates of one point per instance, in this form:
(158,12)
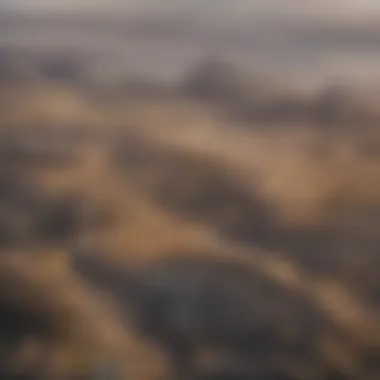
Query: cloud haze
(337,8)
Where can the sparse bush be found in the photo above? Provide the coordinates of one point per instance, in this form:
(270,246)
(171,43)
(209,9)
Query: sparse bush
(62,70)
(212,80)
(251,325)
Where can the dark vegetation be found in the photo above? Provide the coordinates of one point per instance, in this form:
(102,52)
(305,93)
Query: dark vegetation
(189,305)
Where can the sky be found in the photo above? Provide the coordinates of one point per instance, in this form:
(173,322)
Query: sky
(357,59)
(220,13)
(338,7)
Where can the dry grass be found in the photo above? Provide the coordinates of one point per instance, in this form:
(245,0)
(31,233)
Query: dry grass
(82,333)
(171,179)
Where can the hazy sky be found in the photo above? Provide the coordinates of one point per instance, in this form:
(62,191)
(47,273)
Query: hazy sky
(234,13)
(336,7)
(276,53)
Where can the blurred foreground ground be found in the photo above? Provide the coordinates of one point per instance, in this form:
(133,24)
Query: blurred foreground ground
(222,228)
